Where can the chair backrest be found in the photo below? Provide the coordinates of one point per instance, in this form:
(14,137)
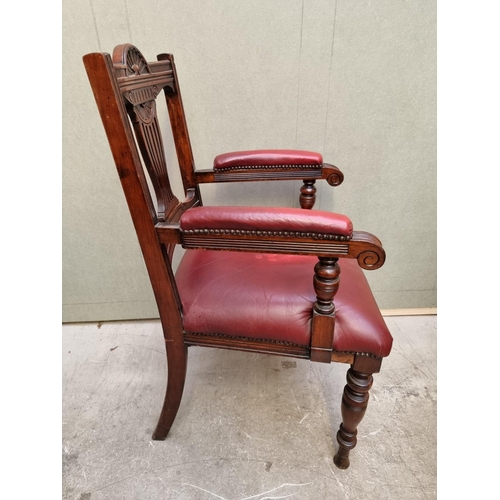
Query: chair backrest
(135,84)
(126,88)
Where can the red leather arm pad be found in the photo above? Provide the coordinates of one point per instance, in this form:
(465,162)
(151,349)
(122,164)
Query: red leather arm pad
(267,219)
(267,157)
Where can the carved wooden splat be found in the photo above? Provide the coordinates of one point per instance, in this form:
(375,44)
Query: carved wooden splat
(140,87)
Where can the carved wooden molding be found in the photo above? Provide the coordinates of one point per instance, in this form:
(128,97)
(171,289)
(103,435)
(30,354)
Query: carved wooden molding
(271,173)
(134,72)
(362,246)
(246,339)
(249,173)
(371,255)
(141,95)
(332,174)
(368,254)
(154,82)
(362,354)
(264,245)
(278,347)
(140,87)
(269,346)
(334,179)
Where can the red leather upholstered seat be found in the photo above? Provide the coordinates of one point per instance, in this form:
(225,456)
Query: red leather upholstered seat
(268,296)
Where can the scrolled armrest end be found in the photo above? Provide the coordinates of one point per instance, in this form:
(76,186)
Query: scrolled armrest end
(368,250)
(332,174)
(371,260)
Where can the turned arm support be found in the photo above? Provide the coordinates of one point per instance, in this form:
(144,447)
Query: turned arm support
(268,165)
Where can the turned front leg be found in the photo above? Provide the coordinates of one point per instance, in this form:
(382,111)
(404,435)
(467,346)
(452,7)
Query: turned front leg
(354,403)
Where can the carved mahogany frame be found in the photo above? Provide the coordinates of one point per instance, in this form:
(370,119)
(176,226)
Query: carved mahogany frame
(125,88)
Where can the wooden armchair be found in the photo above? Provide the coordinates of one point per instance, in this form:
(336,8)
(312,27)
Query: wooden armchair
(255,279)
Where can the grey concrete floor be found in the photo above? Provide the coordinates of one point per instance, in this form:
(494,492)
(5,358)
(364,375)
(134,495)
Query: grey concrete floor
(250,426)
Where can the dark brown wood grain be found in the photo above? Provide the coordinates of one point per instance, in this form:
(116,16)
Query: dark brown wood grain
(126,88)
(118,129)
(180,132)
(326,284)
(354,403)
(307,196)
(362,246)
(330,173)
